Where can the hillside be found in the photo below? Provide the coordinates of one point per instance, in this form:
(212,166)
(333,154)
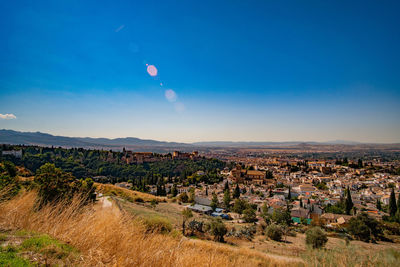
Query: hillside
(106,237)
(102,235)
(44,139)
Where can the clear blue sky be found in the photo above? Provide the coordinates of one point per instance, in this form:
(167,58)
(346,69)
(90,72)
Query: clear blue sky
(227,70)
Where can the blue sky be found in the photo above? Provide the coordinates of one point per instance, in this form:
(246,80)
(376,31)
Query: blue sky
(232,70)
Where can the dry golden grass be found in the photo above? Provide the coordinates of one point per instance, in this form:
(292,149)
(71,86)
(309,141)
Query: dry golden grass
(107,237)
(109,189)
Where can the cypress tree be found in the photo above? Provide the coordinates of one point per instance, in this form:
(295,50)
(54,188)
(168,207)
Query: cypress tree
(398,203)
(236,192)
(214,201)
(174,190)
(227,198)
(226,186)
(289,194)
(392,203)
(349,203)
(378,204)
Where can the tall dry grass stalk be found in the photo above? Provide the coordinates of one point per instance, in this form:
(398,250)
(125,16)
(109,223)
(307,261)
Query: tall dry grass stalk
(106,237)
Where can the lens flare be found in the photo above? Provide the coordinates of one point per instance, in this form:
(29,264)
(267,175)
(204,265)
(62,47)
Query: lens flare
(170,95)
(179,107)
(152,70)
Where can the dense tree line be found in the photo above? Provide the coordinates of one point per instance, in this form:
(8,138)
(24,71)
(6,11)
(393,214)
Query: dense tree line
(83,163)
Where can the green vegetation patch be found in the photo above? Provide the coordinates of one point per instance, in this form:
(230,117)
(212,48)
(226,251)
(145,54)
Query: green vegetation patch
(47,245)
(9,257)
(158,224)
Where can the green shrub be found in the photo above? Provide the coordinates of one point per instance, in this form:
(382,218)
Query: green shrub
(316,237)
(55,184)
(158,224)
(218,229)
(9,257)
(139,200)
(183,198)
(365,228)
(249,215)
(9,184)
(274,232)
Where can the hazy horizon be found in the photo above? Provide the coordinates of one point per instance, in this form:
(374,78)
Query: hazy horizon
(341,141)
(194,72)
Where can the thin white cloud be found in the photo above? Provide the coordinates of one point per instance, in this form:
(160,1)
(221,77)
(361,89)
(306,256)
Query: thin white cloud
(170,95)
(7,116)
(119,28)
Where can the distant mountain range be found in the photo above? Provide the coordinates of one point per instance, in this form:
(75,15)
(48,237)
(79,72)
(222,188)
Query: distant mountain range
(289,143)
(44,139)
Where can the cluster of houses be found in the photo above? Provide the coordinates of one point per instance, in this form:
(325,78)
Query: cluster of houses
(312,191)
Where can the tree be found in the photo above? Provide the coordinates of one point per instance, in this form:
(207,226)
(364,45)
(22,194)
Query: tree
(264,213)
(398,204)
(54,184)
(244,191)
(239,206)
(316,237)
(214,201)
(192,195)
(289,194)
(226,186)
(227,199)
(194,225)
(218,229)
(236,192)
(349,203)
(378,204)
(360,163)
(301,203)
(364,228)
(183,197)
(249,215)
(9,167)
(186,214)
(274,232)
(174,190)
(8,180)
(392,203)
(281,216)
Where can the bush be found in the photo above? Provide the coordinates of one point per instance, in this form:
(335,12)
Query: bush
(316,237)
(274,232)
(183,198)
(281,216)
(55,185)
(195,226)
(158,224)
(218,229)
(365,228)
(249,215)
(139,200)
(9,185)
(240,205)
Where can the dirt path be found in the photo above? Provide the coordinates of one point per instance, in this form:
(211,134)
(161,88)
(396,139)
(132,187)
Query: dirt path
(105,202)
